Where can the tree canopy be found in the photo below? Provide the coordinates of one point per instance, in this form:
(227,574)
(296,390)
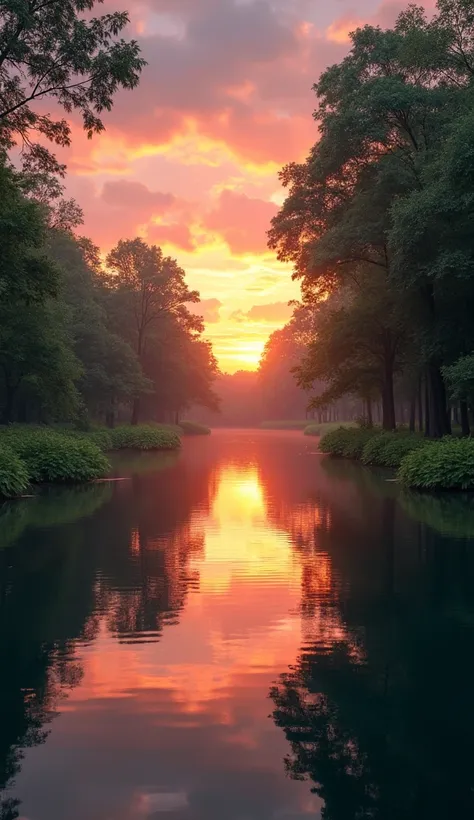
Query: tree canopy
(380,210)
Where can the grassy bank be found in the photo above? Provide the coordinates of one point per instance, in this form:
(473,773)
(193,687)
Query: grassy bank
(41,455)
(446,464)
(320,429)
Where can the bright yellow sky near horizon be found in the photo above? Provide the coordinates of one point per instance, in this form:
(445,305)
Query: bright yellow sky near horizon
(190,159)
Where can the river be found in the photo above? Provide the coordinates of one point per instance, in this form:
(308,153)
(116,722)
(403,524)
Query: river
(246,630)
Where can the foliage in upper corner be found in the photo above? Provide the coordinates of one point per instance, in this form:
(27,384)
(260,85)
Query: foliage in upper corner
(58,51)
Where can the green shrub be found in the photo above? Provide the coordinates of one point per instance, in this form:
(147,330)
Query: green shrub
(144,437)
(441,465)
(347,442)
(57,458)
(388,449)
(101,437)
(192,428)
(14,476)
(316,429)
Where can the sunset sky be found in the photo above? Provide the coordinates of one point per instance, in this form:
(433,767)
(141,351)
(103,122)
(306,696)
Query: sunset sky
(190,159)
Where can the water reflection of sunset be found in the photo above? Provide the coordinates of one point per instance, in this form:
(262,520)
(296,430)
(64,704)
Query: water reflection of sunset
(191,628)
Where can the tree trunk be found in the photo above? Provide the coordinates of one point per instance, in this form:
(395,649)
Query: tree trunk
(370,418)
(427,408)
(7,412)
(388,399)
(465,427)
(420,406)
(412,414)
(135,412)
(439,421)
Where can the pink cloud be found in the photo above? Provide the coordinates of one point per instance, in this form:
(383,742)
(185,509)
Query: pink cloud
(241,221)
(177,234)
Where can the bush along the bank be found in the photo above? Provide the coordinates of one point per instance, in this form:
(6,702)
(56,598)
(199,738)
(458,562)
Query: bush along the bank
(14,475)
(389,449)
(102,438)
(55,458)
(347,442)
(144,437)
(443,465)
(316,429)
(192,428)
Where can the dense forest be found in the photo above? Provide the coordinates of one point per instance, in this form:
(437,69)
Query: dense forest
(81,337)
(378,222)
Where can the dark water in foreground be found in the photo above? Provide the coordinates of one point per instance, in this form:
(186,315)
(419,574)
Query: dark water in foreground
(246,631)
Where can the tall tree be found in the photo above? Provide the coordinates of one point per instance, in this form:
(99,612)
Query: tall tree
(147,290)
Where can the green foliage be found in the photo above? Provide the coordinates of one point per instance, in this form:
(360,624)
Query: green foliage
(315,429)
(102,438)
(14,475)
(460,378)
(346,442)
(148,301)
(26,272)
(442,465)
(378,221)
(56,458)
(144,437)
(388,449)
(192,428)
(451,515)
(52,50)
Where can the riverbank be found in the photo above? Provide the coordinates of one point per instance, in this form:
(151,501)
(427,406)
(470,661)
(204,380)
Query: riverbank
(31,455)
(420,464)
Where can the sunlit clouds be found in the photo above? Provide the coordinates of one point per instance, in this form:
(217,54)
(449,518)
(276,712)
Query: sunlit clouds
(190,159)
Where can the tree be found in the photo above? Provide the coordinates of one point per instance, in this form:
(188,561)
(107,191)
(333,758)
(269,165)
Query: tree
(182,369)
(56,50)
(385,115)
(111,373)
(25,270)
(38,368)
(360,343)
(147,288)
(281,396)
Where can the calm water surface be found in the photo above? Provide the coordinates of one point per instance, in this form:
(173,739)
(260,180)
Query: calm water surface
(243,631)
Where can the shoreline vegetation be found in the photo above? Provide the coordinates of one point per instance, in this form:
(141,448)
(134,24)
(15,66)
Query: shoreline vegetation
(421,464)
(34,455)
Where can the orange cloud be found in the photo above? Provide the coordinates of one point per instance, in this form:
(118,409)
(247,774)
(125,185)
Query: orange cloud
(339,30)
(275,312)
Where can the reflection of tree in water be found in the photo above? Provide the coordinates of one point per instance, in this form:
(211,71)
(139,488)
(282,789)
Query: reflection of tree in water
(128,566)
(381,720)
